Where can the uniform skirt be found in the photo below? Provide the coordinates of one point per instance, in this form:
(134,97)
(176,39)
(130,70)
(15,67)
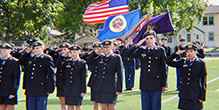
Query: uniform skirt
(60,92)
(190,104)
(6,100)
(73,100)
(106,98)
(93,95)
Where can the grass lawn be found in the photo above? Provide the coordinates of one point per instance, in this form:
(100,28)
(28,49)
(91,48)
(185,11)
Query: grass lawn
(131,100)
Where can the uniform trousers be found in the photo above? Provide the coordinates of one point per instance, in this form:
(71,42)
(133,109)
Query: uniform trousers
(151,100)
(179,78)
(129,76)
(36,103)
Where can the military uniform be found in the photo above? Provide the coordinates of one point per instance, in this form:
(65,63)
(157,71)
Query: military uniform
(38,78)
(193,82)
(109,76)
(9,80)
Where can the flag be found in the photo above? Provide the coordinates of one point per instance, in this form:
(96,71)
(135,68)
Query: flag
(142,21)
(99,12)
(161,24)
(117,25)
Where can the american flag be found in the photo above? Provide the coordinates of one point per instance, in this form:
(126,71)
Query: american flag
(99,12)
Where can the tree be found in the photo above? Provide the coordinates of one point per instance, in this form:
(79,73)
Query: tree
(20,19)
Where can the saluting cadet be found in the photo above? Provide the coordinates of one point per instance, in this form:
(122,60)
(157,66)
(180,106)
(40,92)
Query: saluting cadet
(200,51)
(9,78)
(109,78)
(129,64)
(153,70)
(60,75)
(76,73)
(93,77)
(183,55)
(193,90)
(39,76)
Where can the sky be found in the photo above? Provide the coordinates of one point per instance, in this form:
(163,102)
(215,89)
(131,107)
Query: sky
(214,2)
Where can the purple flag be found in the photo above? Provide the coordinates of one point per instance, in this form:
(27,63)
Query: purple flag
(161,23)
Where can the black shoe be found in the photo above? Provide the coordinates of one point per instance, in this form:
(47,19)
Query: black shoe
(128,89)
(177,89)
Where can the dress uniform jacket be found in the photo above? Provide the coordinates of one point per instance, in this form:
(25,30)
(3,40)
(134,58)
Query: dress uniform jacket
(153,67)
(76,73)
(167,50)
(38,74)
(126,59)
(9,76)
(110,72)
(193,77)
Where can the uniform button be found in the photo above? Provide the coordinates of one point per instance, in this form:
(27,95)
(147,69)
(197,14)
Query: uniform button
(189,69)
(188,83)
(104,63)
(0,76)
(149,57)
(34,64)
(95,74)
(60,70)
(60,74)
(149,70)
(104,72)
(33,73)
(144,52)
(0,72)
(95,70)
(41,83)
(31,77)
(188,73)
(149,65)
(71,77)
(149,61)
(1,68)
(103,77)
(70,81)
(71,72)
(104,68)
(0,80)
(188,78)
(71,68)
(33,69)
(96,67)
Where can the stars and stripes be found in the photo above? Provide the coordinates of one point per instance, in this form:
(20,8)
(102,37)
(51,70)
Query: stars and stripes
(99,12)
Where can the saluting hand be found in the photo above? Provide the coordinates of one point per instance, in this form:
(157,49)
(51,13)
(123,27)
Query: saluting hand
(83,94)
(140,42)
(180,52)
(118,93)
(65,54)
(49,93)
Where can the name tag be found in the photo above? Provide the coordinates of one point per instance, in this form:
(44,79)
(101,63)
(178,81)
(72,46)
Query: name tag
(185,65)
(68,66)
(143,55)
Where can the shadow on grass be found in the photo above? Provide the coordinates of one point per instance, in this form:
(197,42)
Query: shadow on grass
(130,93)
(170,93)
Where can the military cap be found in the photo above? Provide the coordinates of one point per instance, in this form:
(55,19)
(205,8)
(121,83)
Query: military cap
(191,47)
(149,33)
(64,45)
(182,39)
(37,43)
(31,41)
(96,44)
(197,41)
(164,38)
(107,42)
(5,46)
(75,47)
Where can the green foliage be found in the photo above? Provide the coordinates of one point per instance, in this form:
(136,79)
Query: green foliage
(26,17)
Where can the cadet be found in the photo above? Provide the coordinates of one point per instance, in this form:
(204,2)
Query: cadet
(164,42)
(193,90)
(153,70)
(76,73)
(129,64)
(92,81)
(178,70)
(39,76)
(200,51)
(9,78)
(109,78)
(60,75)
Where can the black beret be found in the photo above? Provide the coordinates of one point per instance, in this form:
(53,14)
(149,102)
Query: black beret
(31,41)
(107,42)
(5,46)
(182,39)
(75,47)
(149,33)
(37,43)
(164,38)
(191,47)
(96,44)
(64,45)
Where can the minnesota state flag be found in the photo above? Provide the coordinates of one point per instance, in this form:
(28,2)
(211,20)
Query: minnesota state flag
(116,26)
